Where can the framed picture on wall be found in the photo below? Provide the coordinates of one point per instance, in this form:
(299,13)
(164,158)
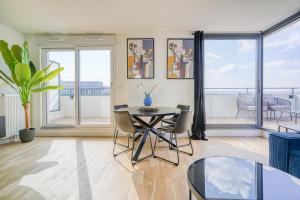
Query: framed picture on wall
(140,58)
(180,58)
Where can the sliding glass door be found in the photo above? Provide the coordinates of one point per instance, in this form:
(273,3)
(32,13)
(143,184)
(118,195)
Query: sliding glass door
(94,86)
(230,80)
(281,90)
(60,104)
(86,97)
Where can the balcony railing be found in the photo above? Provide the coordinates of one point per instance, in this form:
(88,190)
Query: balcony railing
(87,92)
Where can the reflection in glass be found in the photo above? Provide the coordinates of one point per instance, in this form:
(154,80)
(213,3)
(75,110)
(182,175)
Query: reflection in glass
(233,178)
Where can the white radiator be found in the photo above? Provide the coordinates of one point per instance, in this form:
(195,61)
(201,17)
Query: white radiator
(11,108)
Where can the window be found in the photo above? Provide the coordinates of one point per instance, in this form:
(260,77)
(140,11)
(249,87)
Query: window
(86,97)
(60,104)
(282,76)
(230,80)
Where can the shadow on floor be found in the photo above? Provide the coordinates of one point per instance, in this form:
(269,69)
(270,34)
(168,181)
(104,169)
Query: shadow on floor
(85,192)
(13,159)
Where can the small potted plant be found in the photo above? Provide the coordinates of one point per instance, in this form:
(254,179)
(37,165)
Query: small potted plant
(147,93)
(25,79)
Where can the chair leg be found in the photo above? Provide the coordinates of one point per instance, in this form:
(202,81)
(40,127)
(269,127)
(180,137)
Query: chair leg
(115,139)
(141,159)
(189,144)
(279,117)
(237,113)
(115,143)
(163,159)
(267,115)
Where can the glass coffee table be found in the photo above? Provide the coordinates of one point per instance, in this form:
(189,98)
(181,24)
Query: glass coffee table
(217,178)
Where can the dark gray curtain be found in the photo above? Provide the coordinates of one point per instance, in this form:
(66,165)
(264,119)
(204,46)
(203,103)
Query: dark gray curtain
(199,123)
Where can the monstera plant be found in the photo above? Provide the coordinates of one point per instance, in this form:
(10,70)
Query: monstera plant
(25,79)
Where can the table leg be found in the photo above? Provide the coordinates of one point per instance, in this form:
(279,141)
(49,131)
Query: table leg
(190,195)
(140,147)
(149,126)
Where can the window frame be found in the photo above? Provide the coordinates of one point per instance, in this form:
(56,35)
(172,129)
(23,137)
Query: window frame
(258,73)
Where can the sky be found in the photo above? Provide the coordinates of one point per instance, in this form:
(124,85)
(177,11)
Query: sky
(232,63)
(94,65)
(228,63)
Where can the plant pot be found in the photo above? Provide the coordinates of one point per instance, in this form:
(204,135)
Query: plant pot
(26,135)
(147,101)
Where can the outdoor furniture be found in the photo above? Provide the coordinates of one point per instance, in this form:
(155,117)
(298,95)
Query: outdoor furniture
(149,127)
(125,124)
(296,113)
(247,102)
(173,119)
(228,178)
(180,127)
(278,105)
(287,127)
(284,152)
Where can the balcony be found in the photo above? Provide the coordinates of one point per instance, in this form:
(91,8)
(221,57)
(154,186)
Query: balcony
(222,106)
(95,107)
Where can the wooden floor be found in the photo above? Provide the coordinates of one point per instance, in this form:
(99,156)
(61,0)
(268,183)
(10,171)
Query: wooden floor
(84,168)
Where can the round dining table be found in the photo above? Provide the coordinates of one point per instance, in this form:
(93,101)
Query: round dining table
(155,115)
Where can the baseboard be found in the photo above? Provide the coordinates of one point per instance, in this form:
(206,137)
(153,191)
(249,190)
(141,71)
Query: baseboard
(234,132)
(76,132)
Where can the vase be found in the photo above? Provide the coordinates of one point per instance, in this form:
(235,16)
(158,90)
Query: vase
(147,101)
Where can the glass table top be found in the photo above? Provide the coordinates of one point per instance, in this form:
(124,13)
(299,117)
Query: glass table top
(225,178)
(161,110)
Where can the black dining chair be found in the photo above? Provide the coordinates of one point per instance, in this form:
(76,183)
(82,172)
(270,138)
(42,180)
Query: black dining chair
(180,127)
(117,107)
(125,124)
(120,106)
(172,120)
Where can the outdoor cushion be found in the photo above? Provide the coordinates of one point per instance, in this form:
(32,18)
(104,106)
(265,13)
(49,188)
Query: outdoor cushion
(269,98)
(283,107)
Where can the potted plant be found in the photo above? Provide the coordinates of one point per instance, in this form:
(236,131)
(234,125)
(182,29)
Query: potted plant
(25,79)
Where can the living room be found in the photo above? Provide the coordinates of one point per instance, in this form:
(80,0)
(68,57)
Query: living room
(195,99)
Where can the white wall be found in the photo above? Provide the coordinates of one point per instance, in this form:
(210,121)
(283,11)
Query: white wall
(169,92)
(11,36)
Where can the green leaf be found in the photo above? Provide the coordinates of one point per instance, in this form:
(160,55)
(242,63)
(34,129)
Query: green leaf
(32,68)
(6,77)
(25,53)
(17,52)
(52,74)
(36,78)
(8,83)
(23,73)
(9,59)
(48,67)
(47,88)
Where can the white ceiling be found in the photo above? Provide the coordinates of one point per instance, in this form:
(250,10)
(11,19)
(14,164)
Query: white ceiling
(121,16)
